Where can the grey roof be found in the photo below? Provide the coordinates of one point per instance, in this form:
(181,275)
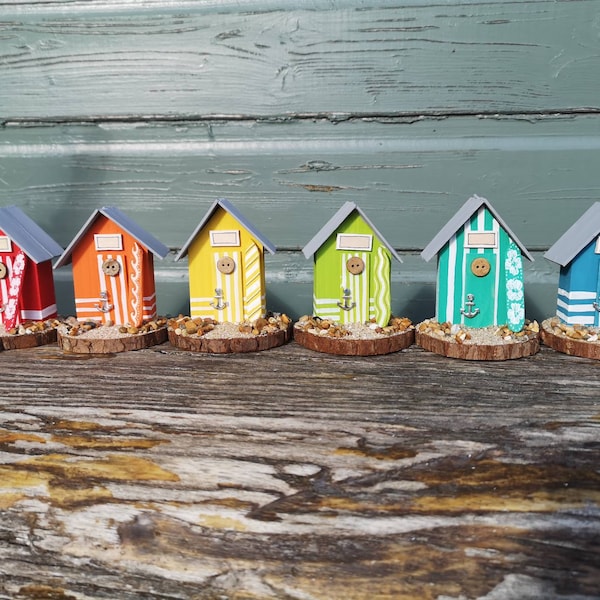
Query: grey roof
(232,210)
(127,224)
(576,238)
(336,220)
(28,235)
(471,206)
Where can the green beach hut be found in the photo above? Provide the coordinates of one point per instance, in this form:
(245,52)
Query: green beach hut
(352,269)
(480,269)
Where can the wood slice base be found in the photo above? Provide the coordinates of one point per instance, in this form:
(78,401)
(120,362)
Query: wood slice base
(233,345)
(125,343)
(28,340)
(355,347)
(569,346)
(505,351)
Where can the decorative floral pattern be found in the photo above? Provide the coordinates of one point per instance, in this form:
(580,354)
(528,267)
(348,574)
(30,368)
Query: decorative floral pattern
(515,313)
(514,290)
(513,263)
(515,296)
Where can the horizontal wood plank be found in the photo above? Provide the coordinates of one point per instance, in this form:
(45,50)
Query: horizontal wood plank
(90,60)
(288,178)
(290,474)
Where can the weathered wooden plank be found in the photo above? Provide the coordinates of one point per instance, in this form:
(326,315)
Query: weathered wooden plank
(288,178)
(291,474)
(87,60)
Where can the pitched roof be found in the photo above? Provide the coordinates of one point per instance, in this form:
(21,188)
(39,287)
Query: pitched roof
(127,224)
(336,220)
(28,235)
(232,210)
(466,211)
(577,237)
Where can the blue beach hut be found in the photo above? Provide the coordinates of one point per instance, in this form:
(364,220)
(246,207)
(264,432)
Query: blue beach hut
(578,254)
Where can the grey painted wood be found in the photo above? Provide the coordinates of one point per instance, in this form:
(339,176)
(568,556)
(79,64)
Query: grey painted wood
(290,178)
(270,58)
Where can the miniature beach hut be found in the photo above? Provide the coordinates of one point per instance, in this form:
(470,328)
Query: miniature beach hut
(113,269)
(226,266)
(352,269)
(480,269)
(578,254)
(26,282)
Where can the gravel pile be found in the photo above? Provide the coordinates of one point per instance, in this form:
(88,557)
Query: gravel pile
(96,331)
(581,333)
(483,336)
(352,331)
(30,327)
(210,329)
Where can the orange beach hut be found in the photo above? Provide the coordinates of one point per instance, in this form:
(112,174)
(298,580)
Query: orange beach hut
(113,269)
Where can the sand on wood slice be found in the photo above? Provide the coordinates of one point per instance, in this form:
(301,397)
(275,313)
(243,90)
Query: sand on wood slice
(567,345)
(230,345)
(348,346)
(507,350)
(111,345)
(28,340)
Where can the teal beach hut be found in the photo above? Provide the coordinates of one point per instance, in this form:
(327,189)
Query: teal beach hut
(480,269)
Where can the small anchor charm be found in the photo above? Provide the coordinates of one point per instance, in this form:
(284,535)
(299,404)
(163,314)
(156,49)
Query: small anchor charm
(347,305)
(218,297)
(104,306)
(596,306)
(470,303)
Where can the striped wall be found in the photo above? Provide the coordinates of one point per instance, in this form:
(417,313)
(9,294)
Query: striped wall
(492,296)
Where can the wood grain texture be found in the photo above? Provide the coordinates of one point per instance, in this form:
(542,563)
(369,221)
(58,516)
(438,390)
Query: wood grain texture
(255,343)
(355,347)
(290,474)
(562,343)
(87,60)
(507,351)
(111,345)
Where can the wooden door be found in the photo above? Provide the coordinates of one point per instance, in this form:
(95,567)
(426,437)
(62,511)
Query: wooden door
(228,286)
(479,291)
(354,303)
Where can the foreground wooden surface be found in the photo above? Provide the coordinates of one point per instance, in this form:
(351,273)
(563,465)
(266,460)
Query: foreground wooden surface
(295,475)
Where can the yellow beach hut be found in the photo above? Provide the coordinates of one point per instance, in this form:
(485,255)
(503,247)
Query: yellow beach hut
(226,266)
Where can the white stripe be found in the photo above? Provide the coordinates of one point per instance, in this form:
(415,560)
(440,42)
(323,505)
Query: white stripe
(575,320)
(577,295)
(481,225)
(38,315)
(325,301)
(124,286)
(576,308)
(4,286)
(452,258)
(496,252)
(85,300)
(114,290)
(101,278)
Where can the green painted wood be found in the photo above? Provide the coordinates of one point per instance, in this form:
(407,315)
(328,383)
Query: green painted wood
(90,60)
(367,292)
(289,179)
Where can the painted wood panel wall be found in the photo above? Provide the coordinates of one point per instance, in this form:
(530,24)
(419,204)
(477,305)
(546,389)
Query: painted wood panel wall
(288,110)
